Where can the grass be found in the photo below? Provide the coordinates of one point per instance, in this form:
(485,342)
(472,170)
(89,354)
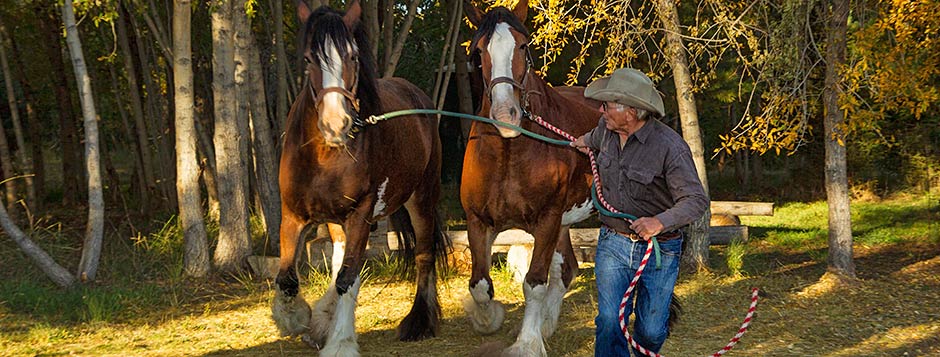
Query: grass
(143,307)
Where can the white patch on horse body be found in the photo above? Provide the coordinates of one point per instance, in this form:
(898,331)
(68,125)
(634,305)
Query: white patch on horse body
(380,202)
(577,213)
(342,339)
(501,48)
(333,113)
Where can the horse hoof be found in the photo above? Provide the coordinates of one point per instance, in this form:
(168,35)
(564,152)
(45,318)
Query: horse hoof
(344,348)
(291,314)
(485,318)
(526,348)
(322,316)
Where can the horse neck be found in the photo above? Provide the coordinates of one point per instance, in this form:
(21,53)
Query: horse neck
(551,106)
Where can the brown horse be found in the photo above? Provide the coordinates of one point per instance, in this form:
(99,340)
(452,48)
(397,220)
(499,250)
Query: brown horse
(337,169)
(512,181)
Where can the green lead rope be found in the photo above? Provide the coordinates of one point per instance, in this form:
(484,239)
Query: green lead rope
(377,118)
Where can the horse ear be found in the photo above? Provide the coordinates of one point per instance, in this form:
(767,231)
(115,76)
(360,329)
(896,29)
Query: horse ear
(303,11)
(473,14)
(353,13)
(520,10)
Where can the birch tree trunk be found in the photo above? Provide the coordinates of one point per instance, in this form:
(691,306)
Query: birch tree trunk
(91,250)
(233,247)
(144,158)
(53,270)
(840,259)
(68,130)
(196,245)
(21,158)
(697,254)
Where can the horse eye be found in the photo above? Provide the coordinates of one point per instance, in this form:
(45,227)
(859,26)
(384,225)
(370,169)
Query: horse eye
(523,46)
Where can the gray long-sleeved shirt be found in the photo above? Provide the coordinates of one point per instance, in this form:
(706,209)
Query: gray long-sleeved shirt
(653,175)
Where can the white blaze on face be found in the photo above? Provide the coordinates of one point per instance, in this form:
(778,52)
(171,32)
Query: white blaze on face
(332,112)
(380,201)
(501,49)
(577,213)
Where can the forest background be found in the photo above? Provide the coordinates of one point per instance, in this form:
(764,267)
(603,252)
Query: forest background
(167,113)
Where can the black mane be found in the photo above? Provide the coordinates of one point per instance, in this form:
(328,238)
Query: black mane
(493,18)
(326,24)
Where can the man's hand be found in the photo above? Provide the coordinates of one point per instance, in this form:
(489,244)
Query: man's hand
(580,145)
(647,227)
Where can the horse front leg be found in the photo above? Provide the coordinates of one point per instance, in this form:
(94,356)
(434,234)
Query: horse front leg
(536,288)
(290,311)
(341,338)
(485,313)
(563,269)
(325,307)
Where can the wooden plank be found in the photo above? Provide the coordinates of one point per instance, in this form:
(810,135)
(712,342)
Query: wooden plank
(740,208)
(724,235)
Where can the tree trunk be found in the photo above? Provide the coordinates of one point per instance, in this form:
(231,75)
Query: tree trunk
(144,158)
(53,270)
(697,246)
(21,158)
(233,247)
(370,19)
(837,186)
(91,251)
(68,130)
(9,173)
(196,245)
(37,163)
(283,95)
(394,54)
(265,161)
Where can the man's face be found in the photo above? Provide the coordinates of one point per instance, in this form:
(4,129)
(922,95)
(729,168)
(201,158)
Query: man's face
(619,116)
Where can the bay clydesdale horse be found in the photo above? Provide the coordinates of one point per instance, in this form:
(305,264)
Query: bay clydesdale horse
(513,181)
(336,169)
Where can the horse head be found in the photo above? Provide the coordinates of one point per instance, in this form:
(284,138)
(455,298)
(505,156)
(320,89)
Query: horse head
(337,72)
(502,42)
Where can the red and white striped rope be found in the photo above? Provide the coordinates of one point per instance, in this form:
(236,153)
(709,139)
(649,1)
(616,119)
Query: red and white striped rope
(646,257)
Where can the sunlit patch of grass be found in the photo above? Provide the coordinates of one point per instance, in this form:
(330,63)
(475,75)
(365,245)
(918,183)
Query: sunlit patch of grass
(734,257)
(796,239)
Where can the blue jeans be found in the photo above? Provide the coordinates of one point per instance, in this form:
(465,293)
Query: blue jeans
(615,264)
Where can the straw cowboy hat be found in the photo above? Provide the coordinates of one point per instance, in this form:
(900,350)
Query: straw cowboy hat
(629,87)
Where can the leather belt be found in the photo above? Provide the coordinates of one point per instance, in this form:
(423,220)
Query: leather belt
(662,237)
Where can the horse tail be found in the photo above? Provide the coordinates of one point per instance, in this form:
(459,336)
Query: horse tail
(401,223)
(675,309)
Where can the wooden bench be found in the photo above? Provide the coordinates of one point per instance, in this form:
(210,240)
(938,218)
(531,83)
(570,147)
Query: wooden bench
(723,233)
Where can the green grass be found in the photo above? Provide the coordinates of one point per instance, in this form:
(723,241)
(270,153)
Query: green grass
(141,305)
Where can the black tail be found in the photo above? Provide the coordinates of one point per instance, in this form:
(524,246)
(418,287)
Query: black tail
(675,309)
(401,223)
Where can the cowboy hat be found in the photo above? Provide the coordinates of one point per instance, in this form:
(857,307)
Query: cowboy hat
(629,87)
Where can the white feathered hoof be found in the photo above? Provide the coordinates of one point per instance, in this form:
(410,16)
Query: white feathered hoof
(291,314)
(321,322)
(347,347)
(526,348)
(485,318)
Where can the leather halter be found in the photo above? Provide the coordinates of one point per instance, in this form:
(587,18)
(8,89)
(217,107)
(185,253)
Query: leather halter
(511,81)
(350,95)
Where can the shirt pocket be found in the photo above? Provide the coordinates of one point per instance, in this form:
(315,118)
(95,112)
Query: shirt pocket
(638,184)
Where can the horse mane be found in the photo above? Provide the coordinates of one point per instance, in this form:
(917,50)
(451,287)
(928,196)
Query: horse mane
(326,24)
(494,17)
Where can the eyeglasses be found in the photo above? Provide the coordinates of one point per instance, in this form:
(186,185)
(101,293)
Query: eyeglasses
(613,106)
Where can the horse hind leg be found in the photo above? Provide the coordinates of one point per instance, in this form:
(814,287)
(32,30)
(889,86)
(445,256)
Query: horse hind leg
(423,320)
(562,271)
(290,310)
(486,314)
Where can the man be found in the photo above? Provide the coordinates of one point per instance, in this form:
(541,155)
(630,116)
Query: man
(646,170)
